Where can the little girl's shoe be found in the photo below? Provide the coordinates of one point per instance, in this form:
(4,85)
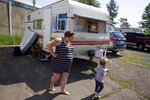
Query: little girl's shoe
(97,95)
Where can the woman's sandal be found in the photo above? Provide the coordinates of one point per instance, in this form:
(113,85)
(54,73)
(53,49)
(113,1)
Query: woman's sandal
(65,92)
(51,89)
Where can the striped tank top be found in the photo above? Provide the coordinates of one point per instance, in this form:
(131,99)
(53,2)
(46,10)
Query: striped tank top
(64,60)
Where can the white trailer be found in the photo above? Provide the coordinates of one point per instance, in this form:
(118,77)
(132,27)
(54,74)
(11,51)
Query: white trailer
(89,23)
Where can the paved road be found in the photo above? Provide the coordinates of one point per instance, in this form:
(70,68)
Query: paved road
(27,78)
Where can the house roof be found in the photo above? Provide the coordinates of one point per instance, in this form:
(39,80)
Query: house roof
(88,11)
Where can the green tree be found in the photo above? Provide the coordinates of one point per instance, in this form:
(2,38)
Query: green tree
(124,23)
(112,8)
(146,19)
(91,2)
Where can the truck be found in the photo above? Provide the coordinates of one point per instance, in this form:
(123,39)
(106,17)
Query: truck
(90,24)
(140,40)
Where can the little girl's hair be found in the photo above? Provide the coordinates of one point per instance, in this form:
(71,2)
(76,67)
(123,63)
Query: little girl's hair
(103,61)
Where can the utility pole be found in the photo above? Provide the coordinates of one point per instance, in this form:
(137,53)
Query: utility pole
(34,2)
(10,16)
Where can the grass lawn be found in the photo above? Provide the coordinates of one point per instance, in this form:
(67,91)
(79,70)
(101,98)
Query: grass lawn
(6,39)
(137,58)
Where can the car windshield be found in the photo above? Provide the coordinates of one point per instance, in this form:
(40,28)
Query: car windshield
(118,35)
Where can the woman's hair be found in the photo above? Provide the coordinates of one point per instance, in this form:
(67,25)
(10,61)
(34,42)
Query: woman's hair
(103,61)
(69,34)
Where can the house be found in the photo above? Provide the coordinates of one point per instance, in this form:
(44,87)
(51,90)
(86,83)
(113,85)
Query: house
(12,16)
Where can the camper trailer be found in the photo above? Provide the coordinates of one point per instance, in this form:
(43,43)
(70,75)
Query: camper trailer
(90,24)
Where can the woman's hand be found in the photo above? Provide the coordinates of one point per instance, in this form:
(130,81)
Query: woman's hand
(52,44)
(55,55)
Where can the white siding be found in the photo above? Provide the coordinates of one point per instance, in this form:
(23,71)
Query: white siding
(59,8)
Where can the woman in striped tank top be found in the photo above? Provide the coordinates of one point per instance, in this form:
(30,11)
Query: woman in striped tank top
(61,59)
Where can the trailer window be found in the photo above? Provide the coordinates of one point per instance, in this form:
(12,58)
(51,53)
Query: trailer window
(92,27)
(87,25)
(61,25)
(61,22)
(37,24)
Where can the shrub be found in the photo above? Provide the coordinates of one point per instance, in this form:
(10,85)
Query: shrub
(6,39)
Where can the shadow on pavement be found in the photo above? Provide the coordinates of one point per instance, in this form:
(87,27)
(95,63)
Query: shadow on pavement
(35,74)
(89,97)
(135,49)
(23,69)
(112,56)
(44,96)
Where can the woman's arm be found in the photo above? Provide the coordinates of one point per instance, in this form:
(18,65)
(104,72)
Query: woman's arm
(52,44)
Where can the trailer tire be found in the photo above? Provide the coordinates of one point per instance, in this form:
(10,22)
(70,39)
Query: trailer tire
(140,46)
(17,51)
(91,54)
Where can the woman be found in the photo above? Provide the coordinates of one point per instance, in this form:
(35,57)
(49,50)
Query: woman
(61,59)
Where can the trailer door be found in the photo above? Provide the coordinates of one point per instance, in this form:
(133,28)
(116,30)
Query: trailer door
(47,28)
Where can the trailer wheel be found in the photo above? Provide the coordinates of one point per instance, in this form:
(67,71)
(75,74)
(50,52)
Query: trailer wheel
(140,47)
(91,54)
(17,51)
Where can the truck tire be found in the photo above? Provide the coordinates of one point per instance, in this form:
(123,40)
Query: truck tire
(148,49)
(140,46)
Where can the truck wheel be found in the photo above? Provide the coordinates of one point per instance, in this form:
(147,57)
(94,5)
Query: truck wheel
(140,46)
(148,49)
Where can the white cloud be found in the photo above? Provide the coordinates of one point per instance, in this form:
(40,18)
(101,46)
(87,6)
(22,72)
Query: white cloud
(132,10)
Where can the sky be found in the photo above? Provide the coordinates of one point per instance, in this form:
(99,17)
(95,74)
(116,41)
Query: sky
(132,10)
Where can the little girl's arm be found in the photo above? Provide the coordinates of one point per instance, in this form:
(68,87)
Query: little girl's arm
(104,73)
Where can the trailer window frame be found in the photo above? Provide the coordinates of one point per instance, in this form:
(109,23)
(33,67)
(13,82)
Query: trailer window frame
(61,22)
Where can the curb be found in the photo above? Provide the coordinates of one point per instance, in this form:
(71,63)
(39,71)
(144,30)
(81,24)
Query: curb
(7,46)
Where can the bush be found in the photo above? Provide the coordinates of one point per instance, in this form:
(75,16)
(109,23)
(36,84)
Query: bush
(147,32)
(6,39)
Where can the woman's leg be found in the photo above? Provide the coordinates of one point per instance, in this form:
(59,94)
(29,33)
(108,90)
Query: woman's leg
(54,79)
(63,82)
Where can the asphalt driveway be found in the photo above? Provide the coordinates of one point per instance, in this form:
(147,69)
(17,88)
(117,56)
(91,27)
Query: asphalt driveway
(27,78)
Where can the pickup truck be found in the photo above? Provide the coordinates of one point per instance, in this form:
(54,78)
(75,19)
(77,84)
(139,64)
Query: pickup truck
(137,39)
